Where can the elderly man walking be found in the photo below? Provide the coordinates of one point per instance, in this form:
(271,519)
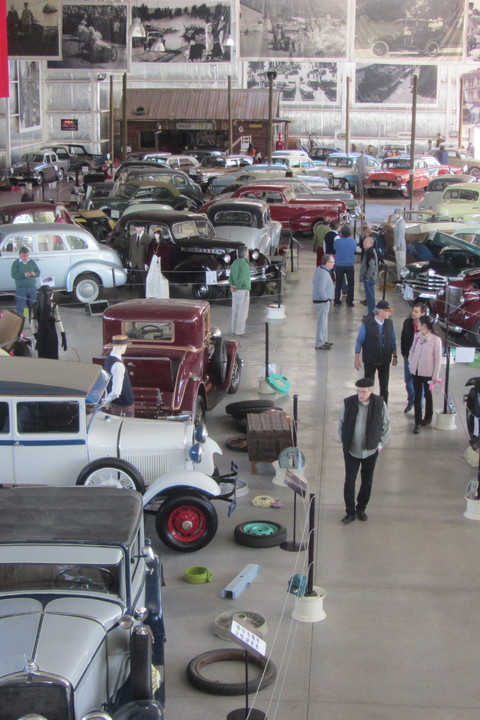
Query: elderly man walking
(323,291)
(240,286)
(376,338)
(364,428)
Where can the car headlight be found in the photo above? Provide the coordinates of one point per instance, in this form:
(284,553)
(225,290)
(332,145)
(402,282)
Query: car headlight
(460,219)
(227,259)
(254,255)
(405,273)
(201,433)
(195,453)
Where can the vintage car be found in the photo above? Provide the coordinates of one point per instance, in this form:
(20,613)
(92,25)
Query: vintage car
(96,222)
(179,179)
(320,154)
(394,175)
(142,191)
(190,252)
(247,221)
(38,167)
(435,188)
(174,355)
(470,234)
(68,258)
(296,163)
(419,224)
(181,162)
(12,339)
(440,258)
(80,607)
(425,36)
(33,212)
(457,157)
(340,169)
(298,214)
(74,162)
(54,432)
(80,153)
(309,188)
(214,165)
(461,202)
(465,317)
(258,172)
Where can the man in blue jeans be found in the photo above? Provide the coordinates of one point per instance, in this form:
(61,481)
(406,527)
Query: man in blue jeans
(345,248)
(409,328)
(369,272)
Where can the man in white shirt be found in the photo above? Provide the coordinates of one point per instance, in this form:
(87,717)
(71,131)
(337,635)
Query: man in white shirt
(119,398)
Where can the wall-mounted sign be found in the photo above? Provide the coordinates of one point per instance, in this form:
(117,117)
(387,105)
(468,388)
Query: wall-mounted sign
(255,125)
(66,124)
(207,125)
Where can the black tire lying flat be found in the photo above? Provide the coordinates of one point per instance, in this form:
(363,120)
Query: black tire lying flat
(260,533)
(242,414)
(249,405)
(267,676)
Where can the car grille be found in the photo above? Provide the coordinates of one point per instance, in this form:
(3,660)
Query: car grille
(383,183)
(42,695)
(150,466)
(428,284)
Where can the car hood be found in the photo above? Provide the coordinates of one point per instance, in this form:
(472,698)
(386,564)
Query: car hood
(24,165)
(215,245)
(60,634)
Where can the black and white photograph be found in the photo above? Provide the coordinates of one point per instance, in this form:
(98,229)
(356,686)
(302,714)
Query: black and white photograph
(189,32)
(33,29)
(296,29)
(30,116)
(393,84)
(413,29)
(299,82)
(473,30)
(93,36)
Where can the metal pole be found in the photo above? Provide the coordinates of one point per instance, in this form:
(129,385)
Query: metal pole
(124,118)
(347,116)
(271,75)
(311,545)
(447,351)
(295,420)
(460,113)
(112,123)
(412,138)
(230,117)
(267,330)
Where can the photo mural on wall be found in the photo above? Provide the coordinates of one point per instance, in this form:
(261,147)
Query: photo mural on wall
(393,84)
(411,29)
(473,30)
(190,32)
(33,29)
(313,83)
(293,28)
(93,36)
(29,115)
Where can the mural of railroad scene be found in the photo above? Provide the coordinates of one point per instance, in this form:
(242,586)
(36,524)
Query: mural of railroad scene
(393,84)
(306,82)
(293,28)
(417,29)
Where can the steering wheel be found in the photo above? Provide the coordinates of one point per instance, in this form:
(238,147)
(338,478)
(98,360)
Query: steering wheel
(147,328)
(78,579)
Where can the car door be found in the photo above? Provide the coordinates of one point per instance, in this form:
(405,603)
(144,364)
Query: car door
(9,249)
(49,171)
(6,442)
(49,445)
(52,255)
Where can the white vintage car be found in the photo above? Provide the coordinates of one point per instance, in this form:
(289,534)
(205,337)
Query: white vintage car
(53,431)
(81,622)
(247,221)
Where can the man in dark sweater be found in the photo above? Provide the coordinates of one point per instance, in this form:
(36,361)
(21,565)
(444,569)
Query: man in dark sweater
(119,398)
(376,340)
(364,428)
(410,327)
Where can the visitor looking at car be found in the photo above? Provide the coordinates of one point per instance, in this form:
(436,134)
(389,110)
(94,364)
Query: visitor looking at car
(240,286)
(45,321)
(24,272)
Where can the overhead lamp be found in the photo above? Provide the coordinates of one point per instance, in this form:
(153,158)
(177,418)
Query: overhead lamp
(229,42)
(136,29)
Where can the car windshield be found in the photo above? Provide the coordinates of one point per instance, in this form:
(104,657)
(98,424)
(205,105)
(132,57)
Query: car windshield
(234,217)
(32,157)
(192,228)
(212,161)
(396,164)
(125,190)
(340,162)
(57,577)
(440,242)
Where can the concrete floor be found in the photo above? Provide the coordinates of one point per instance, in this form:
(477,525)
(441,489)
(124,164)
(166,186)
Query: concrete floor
(402,590)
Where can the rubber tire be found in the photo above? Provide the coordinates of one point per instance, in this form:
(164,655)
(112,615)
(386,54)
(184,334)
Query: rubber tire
(194,675)
(167,535)
(472,410)
(236,377)
(381,48)
(260,541)
(117,464)
(236,407)
(21,349)
(258,288)
(474,172)
(40,179)
(202,291)
(81,279)
(432,49)
(60,174)
(242,415)
(199,416)
(141,666)
(220,361)
(406,192)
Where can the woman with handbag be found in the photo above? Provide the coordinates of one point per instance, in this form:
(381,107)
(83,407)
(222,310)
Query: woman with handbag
(424,361)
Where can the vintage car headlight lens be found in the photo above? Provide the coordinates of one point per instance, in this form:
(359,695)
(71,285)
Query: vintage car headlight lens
(227,258)
(95,715)
(405,273)
(254,255)
(201,433)
(195,453)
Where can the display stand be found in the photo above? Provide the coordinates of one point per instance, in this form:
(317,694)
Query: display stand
(446,420)
(243,636)
(296,484)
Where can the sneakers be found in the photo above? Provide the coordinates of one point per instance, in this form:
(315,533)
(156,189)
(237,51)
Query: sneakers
(325,346)
(408,409)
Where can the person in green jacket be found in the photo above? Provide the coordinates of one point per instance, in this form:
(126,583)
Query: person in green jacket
(240,285)
(24,272)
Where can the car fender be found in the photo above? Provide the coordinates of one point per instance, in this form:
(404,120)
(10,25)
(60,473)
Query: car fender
(179,480)
(101,268)
(196,263)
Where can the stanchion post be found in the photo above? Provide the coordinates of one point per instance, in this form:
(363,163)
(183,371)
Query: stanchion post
(311,544)
(267,341)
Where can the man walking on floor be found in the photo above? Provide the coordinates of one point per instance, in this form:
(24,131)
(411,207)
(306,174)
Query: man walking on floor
(376,338)
(369,272)
(345,248)
(410,327)
(240,286)
(364,428)
(323,290)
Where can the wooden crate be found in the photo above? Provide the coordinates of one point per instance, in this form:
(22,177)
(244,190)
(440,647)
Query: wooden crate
(268,433)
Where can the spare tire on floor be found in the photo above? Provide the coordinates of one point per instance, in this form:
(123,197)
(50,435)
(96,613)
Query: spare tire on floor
(216,687)
(248,405)
(260,533)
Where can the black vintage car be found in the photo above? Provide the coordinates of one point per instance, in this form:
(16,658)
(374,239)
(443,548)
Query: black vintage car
(153,171)
(424,36)
(190,252)
(141,191)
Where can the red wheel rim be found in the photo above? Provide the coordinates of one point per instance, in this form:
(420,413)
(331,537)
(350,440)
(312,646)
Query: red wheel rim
(187,523)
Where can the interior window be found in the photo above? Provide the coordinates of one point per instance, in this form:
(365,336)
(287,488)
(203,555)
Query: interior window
(4,418)
(49,243)
(48,417)
(15,242)
(148,330)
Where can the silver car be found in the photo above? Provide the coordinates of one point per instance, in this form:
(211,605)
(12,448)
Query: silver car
(39,167)
(69,258)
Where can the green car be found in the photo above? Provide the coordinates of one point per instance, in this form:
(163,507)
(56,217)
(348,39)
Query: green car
(460,202)
(141,191)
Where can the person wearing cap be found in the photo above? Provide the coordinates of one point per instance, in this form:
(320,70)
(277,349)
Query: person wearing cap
(24,272)
(364,428)
(377,343)
(119,397)
(323,292)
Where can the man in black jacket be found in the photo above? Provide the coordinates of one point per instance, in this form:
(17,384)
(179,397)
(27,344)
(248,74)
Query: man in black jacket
(364,428)
(410,327)
(376,340)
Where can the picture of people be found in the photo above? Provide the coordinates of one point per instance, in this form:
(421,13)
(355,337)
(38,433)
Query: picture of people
(416,29)
(473,30)
(93,36)
(299,82)
(33,29)
(190,33)
(282,29)
(29,95)
(393,84)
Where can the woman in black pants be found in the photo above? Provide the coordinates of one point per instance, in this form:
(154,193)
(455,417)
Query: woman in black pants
(424,361)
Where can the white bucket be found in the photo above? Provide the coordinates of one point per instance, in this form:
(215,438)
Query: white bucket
(274,312)
(445,421)
(310,608)
(472,511)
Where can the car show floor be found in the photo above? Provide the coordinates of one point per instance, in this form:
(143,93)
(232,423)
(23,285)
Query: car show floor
(401,591)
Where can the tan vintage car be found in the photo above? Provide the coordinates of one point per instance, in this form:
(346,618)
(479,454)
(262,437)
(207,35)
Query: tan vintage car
(419,224)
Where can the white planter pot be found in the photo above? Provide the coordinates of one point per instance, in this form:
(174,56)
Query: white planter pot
(276,313)
(472,511)
(445,421)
